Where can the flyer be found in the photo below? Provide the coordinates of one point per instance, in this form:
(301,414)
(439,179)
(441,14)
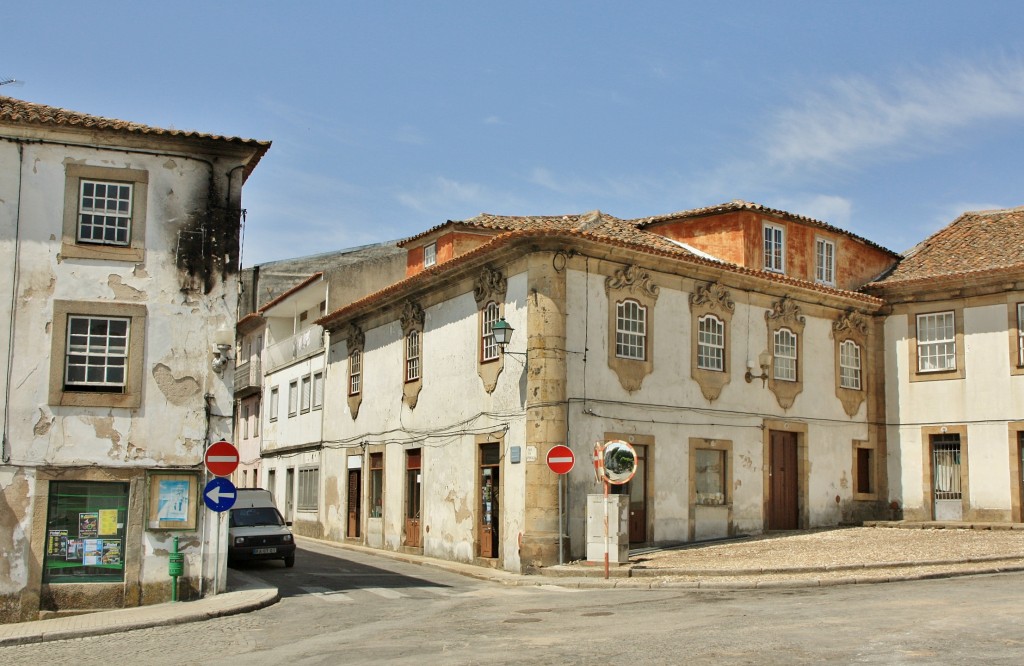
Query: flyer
(92,551)
(57,543)
(172,502)
(88,524)
(111,551)
(74,549)
(108,521)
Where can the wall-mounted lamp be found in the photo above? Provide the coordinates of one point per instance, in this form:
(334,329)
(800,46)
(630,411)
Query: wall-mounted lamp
(502,332)
(764,359)
(223,341)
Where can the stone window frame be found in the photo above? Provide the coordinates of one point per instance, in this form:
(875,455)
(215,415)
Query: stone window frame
(275,403)
(785,313)
(852,327)
(293,398)
(71,247)
(711,300)
(489,289)
(926,469)
(634,314)
(356,345)
(768,260)
(631,283)
(307,488)
(412,320)
(959,372)
(318,390)
(726,447)
(1016,329)
(785,339)
(859,445)
(824,271)
(131,396)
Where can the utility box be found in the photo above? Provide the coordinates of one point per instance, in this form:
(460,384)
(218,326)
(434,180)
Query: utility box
(618,528)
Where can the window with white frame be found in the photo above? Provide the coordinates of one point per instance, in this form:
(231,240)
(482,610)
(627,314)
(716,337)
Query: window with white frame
(306,396)
(785,355)
(355,372)
(275,402)
(309,489)
(825,254)
(1020,334)
(97,354)
(849,365)
(631,330)
(489,348)
(293,397)
(104,212)
(412,356)
(774,248)
(936,342)
(318,389)
(429,255)
(711,343)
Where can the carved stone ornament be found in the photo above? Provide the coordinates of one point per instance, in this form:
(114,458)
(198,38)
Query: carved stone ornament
(489,283)
(633,279)
(785,311)
(714,296)
(412,317)
(356,338)
(852,323)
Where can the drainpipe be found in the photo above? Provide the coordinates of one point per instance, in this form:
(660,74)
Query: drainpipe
(5,446)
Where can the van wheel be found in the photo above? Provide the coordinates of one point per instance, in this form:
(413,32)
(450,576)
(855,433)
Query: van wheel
(289,561)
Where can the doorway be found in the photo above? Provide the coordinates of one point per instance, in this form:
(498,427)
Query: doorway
(947,493)
(412,498)
(289,494)
(636,489)
(355,484)
(490,492)
(784,481)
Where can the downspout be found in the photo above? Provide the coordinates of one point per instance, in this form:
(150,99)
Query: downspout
(5,450)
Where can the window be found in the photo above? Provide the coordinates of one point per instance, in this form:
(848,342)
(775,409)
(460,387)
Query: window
(710,477)
(97,354)
(309,489)
(785,355)
(104,213)
(85,532)
(936,342)
(489,347)
(303,316)
(429,255)
(307,384)
(412,356)
(355,372)
(412,484)
(376,485)
(318,390)
(256,420)
(849,365)
(275,401)
(711,343)
(245,478)
(774,248)
(825,253)
(1020,334)
(245,423)
(865,471)
(293,397)
(631,330)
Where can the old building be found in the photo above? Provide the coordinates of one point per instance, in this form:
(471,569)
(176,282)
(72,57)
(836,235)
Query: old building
(729,345)
(120,291)
(954,370)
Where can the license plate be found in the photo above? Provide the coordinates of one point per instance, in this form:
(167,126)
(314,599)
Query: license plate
(264,551)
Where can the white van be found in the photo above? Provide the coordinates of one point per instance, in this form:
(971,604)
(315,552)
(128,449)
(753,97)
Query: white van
(257,531)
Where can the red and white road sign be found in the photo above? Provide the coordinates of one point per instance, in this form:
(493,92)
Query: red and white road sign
(561,459)
(221,458)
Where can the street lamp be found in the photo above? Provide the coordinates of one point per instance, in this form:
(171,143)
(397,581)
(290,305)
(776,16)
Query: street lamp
(502,332)
(764,359)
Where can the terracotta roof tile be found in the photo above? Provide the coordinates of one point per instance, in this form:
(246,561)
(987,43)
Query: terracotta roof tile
(975,242)
(30,113)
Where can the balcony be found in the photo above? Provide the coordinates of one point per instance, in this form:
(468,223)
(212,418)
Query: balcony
(248,378)
(302,344)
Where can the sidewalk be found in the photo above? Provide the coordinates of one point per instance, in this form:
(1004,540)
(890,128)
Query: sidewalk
(810,558)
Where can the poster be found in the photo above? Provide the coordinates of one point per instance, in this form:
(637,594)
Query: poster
(88,524)
(111,551)
(108,521)
(74,549)
(92,550)
(172,501)
(57,543)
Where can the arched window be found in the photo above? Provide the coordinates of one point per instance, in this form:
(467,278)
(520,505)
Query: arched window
(489,348)
(849,365)
(631,330)
(785,355)
(711,343)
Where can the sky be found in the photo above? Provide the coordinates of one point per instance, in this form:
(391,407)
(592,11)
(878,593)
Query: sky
(887,119)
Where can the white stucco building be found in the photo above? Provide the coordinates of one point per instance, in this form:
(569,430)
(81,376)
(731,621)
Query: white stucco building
(121,248)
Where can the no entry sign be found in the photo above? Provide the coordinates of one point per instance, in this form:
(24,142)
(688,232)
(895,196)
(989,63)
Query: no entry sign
(221,458)
(561,459)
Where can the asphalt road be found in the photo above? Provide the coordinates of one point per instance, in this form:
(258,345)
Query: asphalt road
(340,607)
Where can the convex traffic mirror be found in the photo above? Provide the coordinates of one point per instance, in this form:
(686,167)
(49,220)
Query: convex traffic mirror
(619,459)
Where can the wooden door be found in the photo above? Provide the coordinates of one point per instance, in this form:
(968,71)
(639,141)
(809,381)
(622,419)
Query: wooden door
(784,482)
(354,505)
(637,489)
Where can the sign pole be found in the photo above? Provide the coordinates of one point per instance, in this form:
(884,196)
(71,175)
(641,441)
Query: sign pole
(561,530)
(216,569)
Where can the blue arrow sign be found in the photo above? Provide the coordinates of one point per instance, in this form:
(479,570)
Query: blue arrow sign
(219,494)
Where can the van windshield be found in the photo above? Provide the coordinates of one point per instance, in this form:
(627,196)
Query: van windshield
(262,515)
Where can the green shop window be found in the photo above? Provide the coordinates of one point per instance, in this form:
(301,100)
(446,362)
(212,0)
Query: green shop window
(85,529)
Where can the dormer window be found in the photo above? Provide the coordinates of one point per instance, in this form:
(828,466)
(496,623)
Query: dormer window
(429,255)
(825,262)
(774,248)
